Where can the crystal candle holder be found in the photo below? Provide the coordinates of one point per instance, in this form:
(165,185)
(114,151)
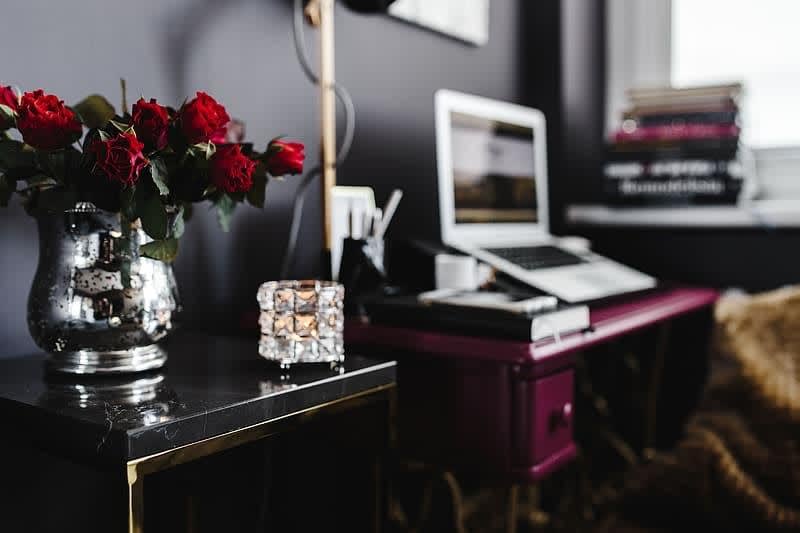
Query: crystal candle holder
(301,322)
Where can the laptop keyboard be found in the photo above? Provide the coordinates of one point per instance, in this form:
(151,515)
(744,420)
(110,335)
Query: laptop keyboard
(533,257)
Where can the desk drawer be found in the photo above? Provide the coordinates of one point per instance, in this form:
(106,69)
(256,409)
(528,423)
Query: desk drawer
(543,421)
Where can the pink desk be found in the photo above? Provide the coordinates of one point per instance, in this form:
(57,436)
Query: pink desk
(501,408)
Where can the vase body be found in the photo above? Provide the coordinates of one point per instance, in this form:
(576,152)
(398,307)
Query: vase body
(96,305)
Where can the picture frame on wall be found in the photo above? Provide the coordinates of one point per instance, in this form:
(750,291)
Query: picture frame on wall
(465,20)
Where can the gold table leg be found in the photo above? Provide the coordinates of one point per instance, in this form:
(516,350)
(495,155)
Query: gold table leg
(135,500)
(138,468)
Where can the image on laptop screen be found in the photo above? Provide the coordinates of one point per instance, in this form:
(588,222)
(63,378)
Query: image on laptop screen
(493,171)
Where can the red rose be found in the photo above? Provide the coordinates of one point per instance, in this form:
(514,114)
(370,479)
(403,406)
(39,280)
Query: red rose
(9,99)
(151,122)
(203,119)
(285,158)
(231,170)
(120,158)
(220,136)
(45,122)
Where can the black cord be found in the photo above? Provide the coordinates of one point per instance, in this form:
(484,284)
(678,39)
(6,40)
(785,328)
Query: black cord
(349,132)
(297,215)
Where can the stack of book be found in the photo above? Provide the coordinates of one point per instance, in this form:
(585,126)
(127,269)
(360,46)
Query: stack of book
(676,146)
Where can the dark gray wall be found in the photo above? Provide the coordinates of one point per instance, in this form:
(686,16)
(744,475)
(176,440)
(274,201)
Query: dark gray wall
(240,51)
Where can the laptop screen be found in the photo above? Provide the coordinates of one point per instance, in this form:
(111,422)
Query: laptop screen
(493,171)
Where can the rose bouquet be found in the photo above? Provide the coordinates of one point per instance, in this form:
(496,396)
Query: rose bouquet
(150,164)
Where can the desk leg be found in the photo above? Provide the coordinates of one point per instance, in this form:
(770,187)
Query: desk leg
(651,416)
(135,500)
(513,506)
(380,495)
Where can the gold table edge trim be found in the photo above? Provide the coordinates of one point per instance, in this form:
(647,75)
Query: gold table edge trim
(239,436)
(137,468)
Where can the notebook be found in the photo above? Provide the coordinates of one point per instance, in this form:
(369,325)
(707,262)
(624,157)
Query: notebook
(470,320)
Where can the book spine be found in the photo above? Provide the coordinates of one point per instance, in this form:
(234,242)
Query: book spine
(731,90)
(691,190)
(717,149)
(675,169)
(696,103)
(483,322)
(676,119)
(683,132)
(667,108)
(509,327)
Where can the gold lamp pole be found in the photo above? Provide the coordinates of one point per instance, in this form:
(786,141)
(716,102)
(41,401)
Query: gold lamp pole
(320,14)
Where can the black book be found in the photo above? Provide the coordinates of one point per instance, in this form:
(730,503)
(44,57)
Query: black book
(674,168)
(409,312)
(712,190)
(719,149)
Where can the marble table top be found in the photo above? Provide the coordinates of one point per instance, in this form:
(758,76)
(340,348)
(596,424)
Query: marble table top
(209,386)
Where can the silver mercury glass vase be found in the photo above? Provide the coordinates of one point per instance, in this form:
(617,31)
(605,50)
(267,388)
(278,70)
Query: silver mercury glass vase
(96,305)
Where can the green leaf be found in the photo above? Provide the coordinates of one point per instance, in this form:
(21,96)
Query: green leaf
(225,206)
(73,162)
(210,190)
(158,170)
(143,191)
(91,137)
(58,163)
(154,217)
(121,126)
(43,161)
(7,114)
(206,150)
(95,111)
(164,250)
(14,155)
(40,181)
(6,190)
(257,193)
(178,225)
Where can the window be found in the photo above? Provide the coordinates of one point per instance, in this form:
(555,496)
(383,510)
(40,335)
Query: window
(757,43)
(652,43)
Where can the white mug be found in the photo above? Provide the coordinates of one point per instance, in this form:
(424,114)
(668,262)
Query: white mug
(456,272)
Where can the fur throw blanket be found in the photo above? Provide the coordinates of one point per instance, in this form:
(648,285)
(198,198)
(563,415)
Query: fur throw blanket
(738,467)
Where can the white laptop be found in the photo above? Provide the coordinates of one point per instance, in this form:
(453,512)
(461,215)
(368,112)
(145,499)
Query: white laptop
(492,166)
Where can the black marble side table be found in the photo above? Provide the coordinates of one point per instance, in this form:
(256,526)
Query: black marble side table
(214,395)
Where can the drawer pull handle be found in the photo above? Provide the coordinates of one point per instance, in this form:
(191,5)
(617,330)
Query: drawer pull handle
(561,418)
